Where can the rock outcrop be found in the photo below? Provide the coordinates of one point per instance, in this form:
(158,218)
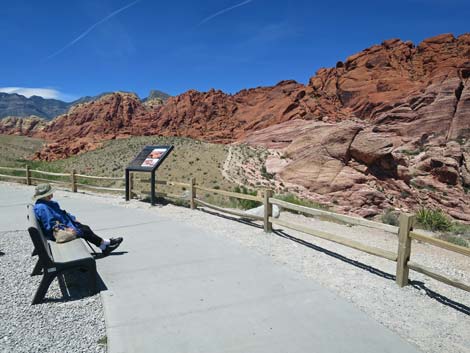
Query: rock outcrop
(29,126)
(388,127)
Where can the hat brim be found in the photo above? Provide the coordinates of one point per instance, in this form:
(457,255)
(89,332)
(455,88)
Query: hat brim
(38,197)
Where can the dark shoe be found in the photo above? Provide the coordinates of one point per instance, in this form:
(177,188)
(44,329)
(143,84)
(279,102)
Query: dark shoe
(114,241)
(110,248)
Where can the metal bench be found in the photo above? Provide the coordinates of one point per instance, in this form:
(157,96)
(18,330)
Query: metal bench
(55,259)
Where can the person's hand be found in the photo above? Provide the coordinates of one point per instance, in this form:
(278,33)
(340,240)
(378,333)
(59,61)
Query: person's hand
(71,230)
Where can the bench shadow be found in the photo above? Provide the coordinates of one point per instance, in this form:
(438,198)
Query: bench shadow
(464,309)
(2,253)
(72,287)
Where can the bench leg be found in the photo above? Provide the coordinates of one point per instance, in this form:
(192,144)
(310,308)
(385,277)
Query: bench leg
(92,274)
(89,245)
(37,268)
(43,287)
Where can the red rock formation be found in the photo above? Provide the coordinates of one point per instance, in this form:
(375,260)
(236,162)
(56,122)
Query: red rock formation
(212,116)
(389,126)
(22,126)
(405,89)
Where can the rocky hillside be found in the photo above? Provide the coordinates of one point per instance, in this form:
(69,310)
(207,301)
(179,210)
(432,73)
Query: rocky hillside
(407,142)
(387,127)
(22,126)
(16,105)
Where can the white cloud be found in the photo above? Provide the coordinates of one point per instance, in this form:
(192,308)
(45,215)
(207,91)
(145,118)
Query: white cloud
(47,93)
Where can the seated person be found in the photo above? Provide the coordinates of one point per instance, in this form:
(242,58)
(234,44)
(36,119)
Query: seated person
(51,217)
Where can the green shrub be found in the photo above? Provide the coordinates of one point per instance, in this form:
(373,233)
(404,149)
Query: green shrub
(245,204)
(265,173)
(434,220)
(455,239)
(390,217)
(461,229)
(412,152)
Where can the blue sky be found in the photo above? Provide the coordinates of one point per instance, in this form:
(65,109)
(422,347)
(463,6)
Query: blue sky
(68,49)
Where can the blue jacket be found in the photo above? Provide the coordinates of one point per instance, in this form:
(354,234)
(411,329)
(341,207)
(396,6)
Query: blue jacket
(50,215)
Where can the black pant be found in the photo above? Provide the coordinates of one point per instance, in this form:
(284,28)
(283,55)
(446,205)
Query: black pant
(87,234)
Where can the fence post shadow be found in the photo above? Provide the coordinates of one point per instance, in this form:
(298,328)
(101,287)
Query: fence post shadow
(464,309)
(415,284)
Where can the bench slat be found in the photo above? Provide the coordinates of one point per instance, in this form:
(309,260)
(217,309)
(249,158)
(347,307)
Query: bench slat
(71,251)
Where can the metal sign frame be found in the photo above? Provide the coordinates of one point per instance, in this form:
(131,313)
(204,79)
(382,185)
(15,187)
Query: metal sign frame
(148,160)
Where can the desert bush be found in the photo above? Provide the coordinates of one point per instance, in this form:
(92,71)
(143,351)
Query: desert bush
(434,220)
(455,239)
(461,229)
(390,217)
(265,173)
(245,204)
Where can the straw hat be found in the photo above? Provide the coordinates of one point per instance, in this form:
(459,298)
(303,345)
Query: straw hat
(43,190)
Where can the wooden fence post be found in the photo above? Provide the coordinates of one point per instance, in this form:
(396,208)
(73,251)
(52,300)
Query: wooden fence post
(28,175)
(192,190)
(73,180)
(268,211)
(404,248)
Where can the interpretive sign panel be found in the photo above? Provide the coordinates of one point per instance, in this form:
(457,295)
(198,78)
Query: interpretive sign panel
(148,160)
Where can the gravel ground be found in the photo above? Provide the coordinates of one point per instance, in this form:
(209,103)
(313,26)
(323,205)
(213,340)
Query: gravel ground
(431,315)
(70,323)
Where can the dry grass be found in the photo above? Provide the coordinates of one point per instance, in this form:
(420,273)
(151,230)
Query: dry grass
(189,159)
(15,149)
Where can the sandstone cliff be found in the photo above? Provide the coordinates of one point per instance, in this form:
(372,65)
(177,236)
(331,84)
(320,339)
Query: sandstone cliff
(388,127)
(29,126)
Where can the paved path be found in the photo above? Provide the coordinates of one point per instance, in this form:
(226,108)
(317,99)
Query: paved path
(175,289)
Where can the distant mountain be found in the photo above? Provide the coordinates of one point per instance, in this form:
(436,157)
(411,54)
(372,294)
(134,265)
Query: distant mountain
(17,105)
(156,95)
(87,99)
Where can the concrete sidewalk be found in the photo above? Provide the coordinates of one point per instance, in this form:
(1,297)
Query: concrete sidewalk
(175,289)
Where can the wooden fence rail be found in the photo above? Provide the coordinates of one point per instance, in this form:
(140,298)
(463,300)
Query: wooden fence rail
(232,212)
(405,233)
(335,216)
(230,194)
(49,173)
(440,243)
(71,178)
(14,169)
(405,230)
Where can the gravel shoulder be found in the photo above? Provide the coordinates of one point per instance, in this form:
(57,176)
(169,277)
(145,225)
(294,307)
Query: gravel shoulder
(431,315)
(70,323)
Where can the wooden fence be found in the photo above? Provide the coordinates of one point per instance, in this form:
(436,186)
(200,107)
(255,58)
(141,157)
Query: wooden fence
(405,231)
(71,179)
